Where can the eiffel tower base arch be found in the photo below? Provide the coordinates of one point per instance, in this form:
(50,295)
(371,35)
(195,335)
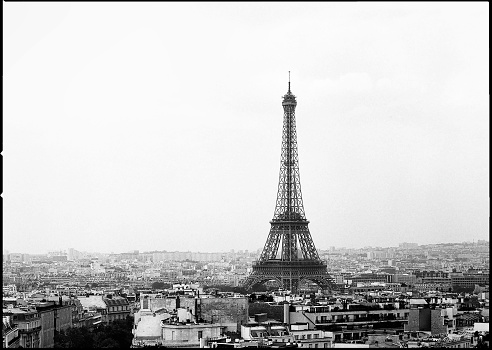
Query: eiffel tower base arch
(289,275)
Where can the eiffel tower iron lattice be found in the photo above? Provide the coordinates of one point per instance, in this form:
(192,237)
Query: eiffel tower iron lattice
(289,255)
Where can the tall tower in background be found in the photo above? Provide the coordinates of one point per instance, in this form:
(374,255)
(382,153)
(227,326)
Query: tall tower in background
(289,255)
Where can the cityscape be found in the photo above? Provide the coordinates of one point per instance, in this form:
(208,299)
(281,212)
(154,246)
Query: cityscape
(379,295)
(392,251)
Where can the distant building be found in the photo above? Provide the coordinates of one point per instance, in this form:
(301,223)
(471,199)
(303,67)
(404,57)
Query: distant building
(469,280)
(405,245)
(16,257)
(406,278)
(9,289)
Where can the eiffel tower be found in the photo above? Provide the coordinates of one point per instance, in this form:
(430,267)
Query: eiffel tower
(289,255)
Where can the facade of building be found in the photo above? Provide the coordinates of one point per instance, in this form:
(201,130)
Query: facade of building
(110,308)
(10,333)
(469,280)
(117,308)
(349,324)
(28,322)
(432,321)
(189,335)
(47,334)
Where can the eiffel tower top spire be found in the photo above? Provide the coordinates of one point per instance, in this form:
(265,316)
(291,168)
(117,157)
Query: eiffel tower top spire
(289,84)
(289,99)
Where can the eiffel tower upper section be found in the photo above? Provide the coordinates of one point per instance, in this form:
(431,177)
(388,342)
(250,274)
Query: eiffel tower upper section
(289,206)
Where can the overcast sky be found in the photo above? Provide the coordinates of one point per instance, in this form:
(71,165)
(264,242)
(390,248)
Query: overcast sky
(158,126)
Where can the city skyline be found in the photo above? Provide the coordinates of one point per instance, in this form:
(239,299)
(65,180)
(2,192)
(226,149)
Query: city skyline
(253,251)
(158,127)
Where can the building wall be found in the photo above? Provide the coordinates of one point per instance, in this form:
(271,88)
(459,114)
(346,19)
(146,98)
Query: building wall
(158,303)
(419,320)
(346,316)
(437,321)
(231,312)
(63,316)
(47,334)
(188,334)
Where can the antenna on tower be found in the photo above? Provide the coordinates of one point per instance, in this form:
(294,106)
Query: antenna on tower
(289,81)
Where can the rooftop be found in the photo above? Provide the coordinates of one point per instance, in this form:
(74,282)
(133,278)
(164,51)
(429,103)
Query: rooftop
(150,326)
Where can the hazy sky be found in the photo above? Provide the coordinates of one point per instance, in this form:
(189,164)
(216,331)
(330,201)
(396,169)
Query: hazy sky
(158,126)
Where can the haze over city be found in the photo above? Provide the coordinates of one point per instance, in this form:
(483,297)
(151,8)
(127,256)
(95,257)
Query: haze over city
(161,128)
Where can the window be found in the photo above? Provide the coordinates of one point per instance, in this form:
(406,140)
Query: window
(309,336)
(200,335)
(315,345)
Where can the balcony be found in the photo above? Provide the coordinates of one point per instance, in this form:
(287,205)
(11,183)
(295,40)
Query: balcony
(12,342)
(29,330)
(360,320)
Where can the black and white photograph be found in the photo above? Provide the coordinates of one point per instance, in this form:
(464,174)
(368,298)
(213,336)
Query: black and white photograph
(152,162)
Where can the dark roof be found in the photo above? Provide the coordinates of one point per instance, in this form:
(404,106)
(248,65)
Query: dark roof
(115,301)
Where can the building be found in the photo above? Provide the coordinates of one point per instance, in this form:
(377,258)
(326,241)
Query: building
(189,335)
(9,289)
(468,280)
(352,322)
(28,323)
(229,312)
(147,330)
(178,328)
(54,317)
(110,307)
(117,308)
(10,333)
(432,321)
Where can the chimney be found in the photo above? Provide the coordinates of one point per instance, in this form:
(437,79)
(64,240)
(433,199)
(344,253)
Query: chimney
(196,310)
(286,314)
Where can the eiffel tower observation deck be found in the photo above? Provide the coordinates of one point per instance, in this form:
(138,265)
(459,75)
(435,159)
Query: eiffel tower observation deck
(289,256)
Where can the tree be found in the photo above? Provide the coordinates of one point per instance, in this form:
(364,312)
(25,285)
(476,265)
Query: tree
(160,285)
(117,334)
